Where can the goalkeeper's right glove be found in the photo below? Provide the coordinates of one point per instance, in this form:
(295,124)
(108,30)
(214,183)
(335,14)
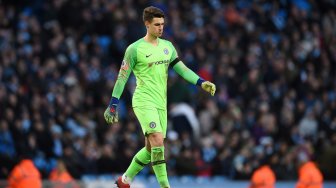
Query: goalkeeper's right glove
(111,114)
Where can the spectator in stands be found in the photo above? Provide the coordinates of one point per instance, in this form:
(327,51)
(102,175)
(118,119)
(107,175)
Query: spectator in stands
(60,174)
(263,176)
(7,149)
(274,64)
(6,141)
(309,174)
(25,175)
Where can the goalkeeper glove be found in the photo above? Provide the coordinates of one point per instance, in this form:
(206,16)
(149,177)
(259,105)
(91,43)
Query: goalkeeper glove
(207,86)
(111,114)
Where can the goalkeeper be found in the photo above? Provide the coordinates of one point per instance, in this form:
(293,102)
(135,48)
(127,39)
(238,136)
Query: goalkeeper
(149,59)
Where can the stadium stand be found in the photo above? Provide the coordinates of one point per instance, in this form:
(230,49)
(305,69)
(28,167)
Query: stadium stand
(274,63)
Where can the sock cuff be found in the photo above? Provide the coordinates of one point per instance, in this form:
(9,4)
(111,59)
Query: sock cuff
(157,149)
(148,153)
(144,151)
(157,154)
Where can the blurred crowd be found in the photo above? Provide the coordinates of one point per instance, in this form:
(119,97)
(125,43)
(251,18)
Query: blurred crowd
(274,64)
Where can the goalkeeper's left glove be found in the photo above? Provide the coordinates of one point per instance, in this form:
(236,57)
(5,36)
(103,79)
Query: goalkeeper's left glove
(111,114)
(207,86)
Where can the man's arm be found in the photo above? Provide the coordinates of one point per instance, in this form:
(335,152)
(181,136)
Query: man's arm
(110,114)
(184,71)
(124,72)
(192,77)
(188,74)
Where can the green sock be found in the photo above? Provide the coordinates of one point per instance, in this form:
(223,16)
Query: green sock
(140,160)
(159,166)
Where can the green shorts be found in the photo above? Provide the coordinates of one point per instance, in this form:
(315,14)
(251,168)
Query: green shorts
(152,120)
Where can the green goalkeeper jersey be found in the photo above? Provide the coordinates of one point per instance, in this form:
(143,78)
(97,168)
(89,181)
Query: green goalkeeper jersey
(150,67)
(150,64)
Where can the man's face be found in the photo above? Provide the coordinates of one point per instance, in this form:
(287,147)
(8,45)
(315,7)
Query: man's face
(155,28)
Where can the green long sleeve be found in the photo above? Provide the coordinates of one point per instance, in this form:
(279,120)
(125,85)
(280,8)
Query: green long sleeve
(121,82)
(125,71)
(186,73)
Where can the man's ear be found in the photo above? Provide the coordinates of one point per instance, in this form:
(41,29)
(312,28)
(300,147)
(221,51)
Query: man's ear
(147,24)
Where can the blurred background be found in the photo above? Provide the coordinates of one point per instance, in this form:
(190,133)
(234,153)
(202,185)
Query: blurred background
(274,64)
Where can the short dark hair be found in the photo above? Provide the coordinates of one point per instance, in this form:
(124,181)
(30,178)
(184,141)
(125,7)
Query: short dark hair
(152,12)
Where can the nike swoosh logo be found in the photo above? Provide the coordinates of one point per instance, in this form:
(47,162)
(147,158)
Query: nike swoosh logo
(148,55)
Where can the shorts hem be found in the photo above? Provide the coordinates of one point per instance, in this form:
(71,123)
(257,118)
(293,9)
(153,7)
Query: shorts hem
(148,133)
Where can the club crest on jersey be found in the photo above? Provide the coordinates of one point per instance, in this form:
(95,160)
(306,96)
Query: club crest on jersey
(152,124)
(166,51)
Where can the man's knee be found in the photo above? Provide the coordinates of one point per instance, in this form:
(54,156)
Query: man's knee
(155,139)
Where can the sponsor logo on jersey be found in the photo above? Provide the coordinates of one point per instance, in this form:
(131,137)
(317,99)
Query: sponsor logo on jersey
(158,62)
(152,124)
(166,51)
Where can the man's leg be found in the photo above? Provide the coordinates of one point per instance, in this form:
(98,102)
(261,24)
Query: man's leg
(140,160)
(154,125)
(157,159)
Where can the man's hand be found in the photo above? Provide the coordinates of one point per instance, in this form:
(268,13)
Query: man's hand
(111,114)
(209,87)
